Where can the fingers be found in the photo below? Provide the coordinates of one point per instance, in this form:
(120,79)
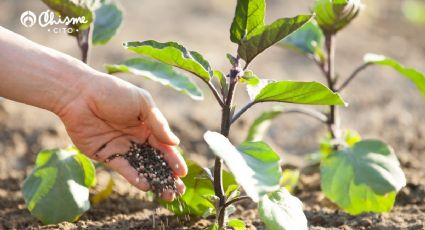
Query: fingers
(171,155)
(112,156)
(121,166)
(160,128)
(156,120)
(170,195)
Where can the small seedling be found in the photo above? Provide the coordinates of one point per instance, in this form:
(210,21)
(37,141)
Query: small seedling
(358,175)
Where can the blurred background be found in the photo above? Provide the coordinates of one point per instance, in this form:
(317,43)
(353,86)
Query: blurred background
(383,104)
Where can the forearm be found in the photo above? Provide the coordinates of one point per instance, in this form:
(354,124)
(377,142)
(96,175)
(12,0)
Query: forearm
(36,75)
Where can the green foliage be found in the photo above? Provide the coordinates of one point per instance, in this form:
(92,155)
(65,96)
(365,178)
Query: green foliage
(159,72)
(103,194)
(415,76)
(280,210)
(349,137)
(311,93)
(249,31)
(198,189)
(254,164)
(107,21)
(334,15)
(414,11)
(307,40)
(212,227)
(261,124)
(362,178)
(237,224)
(250,78)
(290,178)
(269,35)
(172,53)
(222,80)
(58,187)
(249,17)
(70,8)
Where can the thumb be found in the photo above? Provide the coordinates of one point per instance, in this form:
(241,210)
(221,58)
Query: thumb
(156,121)
(160,128)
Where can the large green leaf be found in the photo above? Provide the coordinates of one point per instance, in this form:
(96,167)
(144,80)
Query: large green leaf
(107,21)
(312,93)
(159,72)
(174,54)
(415,76)
(198,188)
(280,210)
(307,40)
(254,164)
(363,178)
(249,17)
(261,39)
(73,9)
(58,188)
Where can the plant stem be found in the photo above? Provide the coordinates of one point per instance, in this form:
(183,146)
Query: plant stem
(333,117)
(237,199)
(215,93)
(352,76)
(225,129)
(306,111)
(83,40)
(242,111)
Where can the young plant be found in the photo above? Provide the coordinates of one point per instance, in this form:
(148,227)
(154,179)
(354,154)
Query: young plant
(253,165)
(358,175)
(66,175)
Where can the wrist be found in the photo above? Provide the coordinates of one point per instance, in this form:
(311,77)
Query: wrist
(74,84)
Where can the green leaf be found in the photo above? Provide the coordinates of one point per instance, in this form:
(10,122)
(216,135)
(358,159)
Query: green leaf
(198,187)
(334,15)
(250,78)
(414,11)
(415,76)
(307,40)
(232,60)
(280,210)
(349,138)
(172,53)
(290,178)
(212,227)
(249,17)
(72,9)
(107,21)
(237,224)
(103,194)
(363,178)
(261,124)
(268,35)
(159,72)
(312,93)
(222,80)
(58,187)
(254,164)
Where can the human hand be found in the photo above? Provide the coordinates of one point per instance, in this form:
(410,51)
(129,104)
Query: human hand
(107,114)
